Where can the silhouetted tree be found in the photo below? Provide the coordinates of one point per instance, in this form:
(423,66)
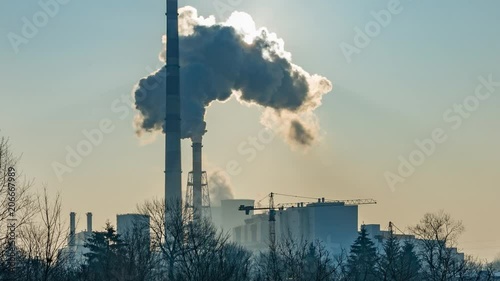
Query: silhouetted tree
(409,265)
(362,262)
(41,240)
(389,261)
(192,250)
(268,266)
(166,241)
(295,259)
(25,200)
(12,185)
(438,234)
(139,259)
(342,264)
(319,263)
(106,256)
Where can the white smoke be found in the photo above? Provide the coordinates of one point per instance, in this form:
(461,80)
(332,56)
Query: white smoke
(221,59)
(220,187)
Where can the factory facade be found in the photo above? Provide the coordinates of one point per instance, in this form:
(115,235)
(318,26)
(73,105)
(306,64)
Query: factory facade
(335,224)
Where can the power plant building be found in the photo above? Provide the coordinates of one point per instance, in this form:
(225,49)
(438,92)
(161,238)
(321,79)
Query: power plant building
(335,224)
(75,249)
(132,224)
(230,215)
(226,216)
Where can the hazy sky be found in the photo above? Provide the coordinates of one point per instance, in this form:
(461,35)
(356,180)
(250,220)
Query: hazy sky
(394,91)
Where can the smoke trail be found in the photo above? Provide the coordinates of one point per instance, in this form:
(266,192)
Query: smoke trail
(221,59)
(220,187)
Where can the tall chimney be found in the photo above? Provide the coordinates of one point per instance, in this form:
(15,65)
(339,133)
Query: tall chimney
(72,228)
(89,222)
(197,174)
(173,180)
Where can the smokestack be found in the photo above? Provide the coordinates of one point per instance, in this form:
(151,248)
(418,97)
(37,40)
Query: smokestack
(197,174)
(72,228)
(89,222)
(173,171)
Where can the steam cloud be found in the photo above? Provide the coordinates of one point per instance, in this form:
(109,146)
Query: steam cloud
(233,58)
(220,187)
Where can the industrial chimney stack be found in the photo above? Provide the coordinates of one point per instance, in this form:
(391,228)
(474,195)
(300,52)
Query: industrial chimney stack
(197,195)
(72,228)
(197,174)
(89,222)
(173,180)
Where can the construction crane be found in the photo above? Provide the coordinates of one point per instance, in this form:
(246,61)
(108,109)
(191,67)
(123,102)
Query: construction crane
(272,208)
(272,216)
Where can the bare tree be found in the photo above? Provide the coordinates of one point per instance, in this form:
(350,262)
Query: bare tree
(192,250)
(43,238)
(340,264)
(24,200)
(320,264)
(472,269)
(297,259)
(166,241)
(139,260)
(16,206)
(438,234)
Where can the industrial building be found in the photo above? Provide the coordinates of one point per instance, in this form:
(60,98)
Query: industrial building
(126,225)
(333,223)
(230,215)
(75,249)
(132,224)
(226,216)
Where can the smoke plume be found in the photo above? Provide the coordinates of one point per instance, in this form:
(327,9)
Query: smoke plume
(219,60)
(300,134)
(219,184)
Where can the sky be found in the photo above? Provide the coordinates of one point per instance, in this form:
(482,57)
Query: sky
(405,86)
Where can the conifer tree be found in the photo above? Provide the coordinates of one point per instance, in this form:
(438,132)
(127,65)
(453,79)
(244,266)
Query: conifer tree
(389,264)
(105,256)
(362,261)
(410,263)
